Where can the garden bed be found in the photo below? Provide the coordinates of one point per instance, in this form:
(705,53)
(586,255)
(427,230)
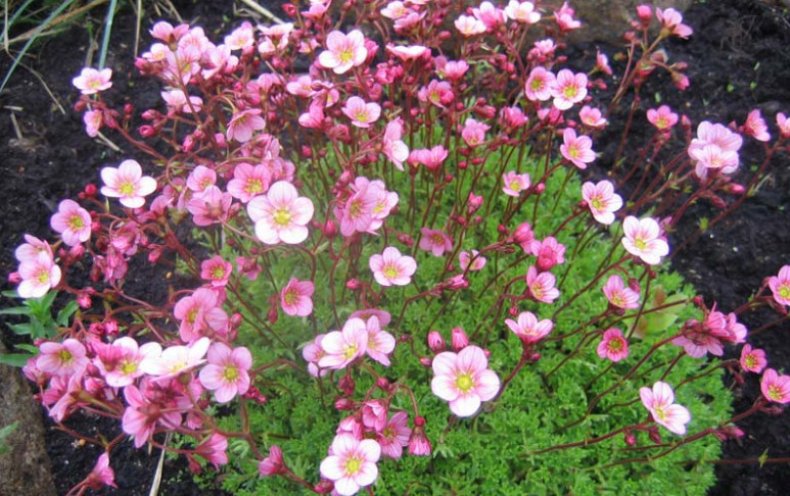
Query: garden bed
(737,61)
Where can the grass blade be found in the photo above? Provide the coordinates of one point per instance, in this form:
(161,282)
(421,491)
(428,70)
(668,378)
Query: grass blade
(105,42)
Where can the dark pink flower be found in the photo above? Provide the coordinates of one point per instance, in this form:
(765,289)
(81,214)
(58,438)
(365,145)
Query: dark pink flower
(296,298)
(753,360)
(613,345)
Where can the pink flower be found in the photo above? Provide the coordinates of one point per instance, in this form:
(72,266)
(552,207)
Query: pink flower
(464,380)
(243,124)
(66,358)
(410,52)
(141,416)
(201,178)
(435,241)
(39,274)
(620,295)
(72,222)
(296,298)
(227,372)
(490,15)
(214,449)
(438,93)
(660,403)
(394,436)
(775,387)
(216,270)
(200,313)
(392,145)
(249,181)
(755,126)
(102,474)
(174,360)
(539,84)
(515,183)
(127,183)
(672,22)
(93,121)
(120,361)
(541,285)
(522,12)
(272,464)
(602,201)
(528,329)
(568,89)
(715,148)
(753,360)
(577,150)
(613,345)
(394,10)
(281,215)
(643,239)
(432,158)
(474,132)
(391,268)
(471,262)
(343,51)
(549,253)
(592,117)
(380,342)
(312,353)
(602,63)
(351,464)
(663,118)
(780,286)
(91,81)
(784,125)
(211,206)
(469,26)
(343,347)
(564,18)
(362,114)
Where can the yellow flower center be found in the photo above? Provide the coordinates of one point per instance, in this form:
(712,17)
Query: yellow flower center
(660,413)
(76,223)
(597,203)
(751,361)
(570,91)
(282,217)
(253,186)
(361,116)
(390,272)
(640,244)
(218,272)
(464,382)
(537,84)
(127,188)
(65,356)
(128,367)
(662,123)
(573,151)
(350,352)
(43,276)
(290,297)
(515,185)
(231,373)
(346,56)
(353,465)
(615,345)
(784,291)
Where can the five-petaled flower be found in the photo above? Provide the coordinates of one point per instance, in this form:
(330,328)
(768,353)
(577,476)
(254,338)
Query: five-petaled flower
(351,464)
(643,239)
(227,372)
(91,81)
(464,380)
(344,51)
(660,402)
(775,387)
(391,268)
(128,183)
(281,215)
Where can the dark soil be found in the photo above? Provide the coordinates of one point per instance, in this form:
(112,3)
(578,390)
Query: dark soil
(738,60)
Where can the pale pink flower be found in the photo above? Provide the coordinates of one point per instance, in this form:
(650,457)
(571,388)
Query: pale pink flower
(568,89)
(753,360)
(643,239)
(602,63)
(564,18)
(244,124)
(660,403)
(141,416)
(394,10)
(469,26)
(361,113)
(672,22)
(380,342)
(302,86)
(663,118)
(474,132)
(211,206)
(592,117)
(248,267)
(515,183)
(435,241)
(541,285)
(408,21)
(312,353)
(577,150)
(620,295)
(214,449)
(464,380)
(549,253)
(343,347)
(273,463)
(216,270)
(119,362)
(249,181)
(91,81)
(391,268)
(471,262)
(513,117)
(351,464)
(296,298)
(780,286)
(523,12)
(602,201)
(241,37)
(314,117)
(528,329)
(453,70)
(72,222)
(93,122)
(539,84)
(715,147)
(367,207)
(177,101)
(613,345)
(755,126)
(490,15)
(392,145)
(38,275)
(201,178)
(784,125)
(127,183)
(174,360)
(281,215)
(775,387)
(384,317)
(394,436)
(409,52)
(66,358)
(343,51)
(200,313)
(227,372)
(432,158)
(437,93)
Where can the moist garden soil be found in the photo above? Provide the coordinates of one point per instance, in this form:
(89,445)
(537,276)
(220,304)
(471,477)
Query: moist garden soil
(738,60)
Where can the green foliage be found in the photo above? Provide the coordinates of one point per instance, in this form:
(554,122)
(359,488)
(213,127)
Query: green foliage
(495,452)
(40,323)
(6,431)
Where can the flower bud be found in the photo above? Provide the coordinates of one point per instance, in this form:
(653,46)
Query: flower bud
(459,339)
(343,404)
(436,342)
